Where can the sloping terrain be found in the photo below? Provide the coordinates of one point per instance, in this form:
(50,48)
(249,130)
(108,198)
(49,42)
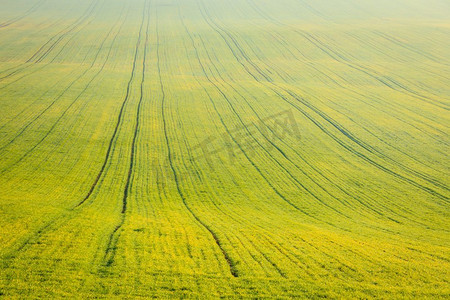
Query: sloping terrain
(241,148)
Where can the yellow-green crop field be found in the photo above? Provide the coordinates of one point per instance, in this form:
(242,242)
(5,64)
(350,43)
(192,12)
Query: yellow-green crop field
(224,148)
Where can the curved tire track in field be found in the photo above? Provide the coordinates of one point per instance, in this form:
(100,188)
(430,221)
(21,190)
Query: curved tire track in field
(381,155)
(57,23)
(220,210)
(21,113)
(37,57)
(59,96)
(299,184)
(259,171)
(275,190)
(275,88)
(384,80)
(231,136)
(406,46)
(113,239)
(390,105)
(116,128)
(387,81)
(68,107)
(231,263)
(370,207)
(27,13)
(47,225)
(342,201)
(277,247)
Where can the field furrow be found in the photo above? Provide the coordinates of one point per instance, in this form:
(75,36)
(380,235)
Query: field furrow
(224,149)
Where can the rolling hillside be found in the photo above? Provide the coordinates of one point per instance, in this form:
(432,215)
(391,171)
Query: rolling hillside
(212,148)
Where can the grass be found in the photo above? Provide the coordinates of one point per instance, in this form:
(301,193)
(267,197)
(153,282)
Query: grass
(238,149)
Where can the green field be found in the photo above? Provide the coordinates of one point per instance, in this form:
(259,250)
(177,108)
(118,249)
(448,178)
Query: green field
(213,148)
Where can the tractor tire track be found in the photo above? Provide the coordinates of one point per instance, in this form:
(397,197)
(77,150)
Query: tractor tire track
(27,13)
(309,64)
(371,133)
(418,174)
(230,261)
(275,190)
(228,131)
(280,165)
(299,184)
(343,201)
(48,225)
(37,57)
(387,81)
(53,87)
(61,94)
(406,46)
(67,108)
(296,207)
(384,80)
(306,61)
(315,196)
(113,239)
(344,132)
(57,23)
